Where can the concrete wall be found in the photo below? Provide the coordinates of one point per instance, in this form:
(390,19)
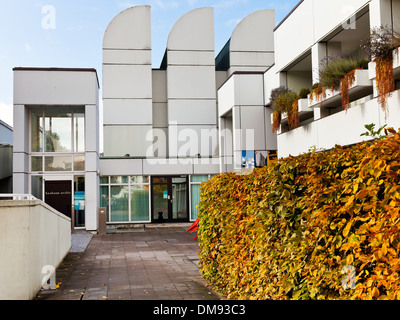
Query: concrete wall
(191,84)
(6,133)
(342,128)
(32,235)
(308,24)
(127,83)
(252,42)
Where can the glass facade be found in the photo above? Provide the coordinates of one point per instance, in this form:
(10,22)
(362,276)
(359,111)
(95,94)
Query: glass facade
(57,147)
(127,199)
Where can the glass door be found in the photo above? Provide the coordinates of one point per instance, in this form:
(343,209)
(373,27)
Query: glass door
(170,199)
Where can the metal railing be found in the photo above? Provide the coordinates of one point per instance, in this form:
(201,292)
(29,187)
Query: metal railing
(5,196)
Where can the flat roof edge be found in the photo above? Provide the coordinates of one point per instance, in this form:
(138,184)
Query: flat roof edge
(288,15)
(59,69)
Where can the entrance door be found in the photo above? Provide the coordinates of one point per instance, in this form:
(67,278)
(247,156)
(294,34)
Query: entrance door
(170,199)
(58,195)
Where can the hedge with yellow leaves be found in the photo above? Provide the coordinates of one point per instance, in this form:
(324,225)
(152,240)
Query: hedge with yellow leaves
(288,231)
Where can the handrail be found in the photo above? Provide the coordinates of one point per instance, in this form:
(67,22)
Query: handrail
(18,196)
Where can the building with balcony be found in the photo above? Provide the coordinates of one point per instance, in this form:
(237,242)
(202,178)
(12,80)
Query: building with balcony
(199,114)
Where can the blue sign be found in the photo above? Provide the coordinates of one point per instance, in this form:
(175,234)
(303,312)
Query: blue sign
(79,200)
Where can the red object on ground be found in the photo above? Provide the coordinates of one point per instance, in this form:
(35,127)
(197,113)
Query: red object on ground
(194,227)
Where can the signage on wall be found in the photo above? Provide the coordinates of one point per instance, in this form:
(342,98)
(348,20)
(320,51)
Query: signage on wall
(248,159)
(79,200)
(165,194)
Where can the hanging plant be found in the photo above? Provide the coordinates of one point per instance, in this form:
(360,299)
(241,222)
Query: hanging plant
(346,83)
(337,73)
(379,45)
(276,121)
(287,103)
(318,93)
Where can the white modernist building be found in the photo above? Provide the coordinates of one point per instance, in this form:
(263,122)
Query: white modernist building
(199,114)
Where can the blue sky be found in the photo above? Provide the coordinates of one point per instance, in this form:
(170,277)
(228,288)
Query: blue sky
(28,39)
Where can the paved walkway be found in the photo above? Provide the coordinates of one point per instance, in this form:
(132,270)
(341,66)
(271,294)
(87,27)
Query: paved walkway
(152,263)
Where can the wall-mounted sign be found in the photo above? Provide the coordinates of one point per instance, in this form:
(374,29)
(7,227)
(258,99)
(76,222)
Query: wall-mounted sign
(79,200)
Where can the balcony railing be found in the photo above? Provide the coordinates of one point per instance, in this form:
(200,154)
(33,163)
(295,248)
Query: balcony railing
(361,87)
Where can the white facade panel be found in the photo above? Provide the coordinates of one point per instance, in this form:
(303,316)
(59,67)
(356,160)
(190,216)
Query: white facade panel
(325,21)
(187,112)
(249,90)
(121,167)
(189,141)
(296,34)
(92,130)
(127,81)
(136,57)
(128,111)
(189,82)
(253,128)
(92,202)
(131,29)
(212,167)
(191,58)
(226,97)
(20,136)
(54,87)
(252,59)
(122,140)
(193,31)
(167,166)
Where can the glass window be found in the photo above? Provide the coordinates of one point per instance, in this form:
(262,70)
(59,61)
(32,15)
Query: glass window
(58,128)
(79,163)
(140,180)
(103,180)
(37,130)
(119,203)
(37,187)
(160,180)
(79,201)
(198,178)
(119,180)
(58,163)
(104,199)
(195,199)
(37,164)
(140,203)
(79,131)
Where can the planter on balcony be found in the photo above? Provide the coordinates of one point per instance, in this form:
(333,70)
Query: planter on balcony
(361,87)
(396,65)
(304,108)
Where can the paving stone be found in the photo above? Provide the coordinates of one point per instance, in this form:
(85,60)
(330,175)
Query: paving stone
(153,263)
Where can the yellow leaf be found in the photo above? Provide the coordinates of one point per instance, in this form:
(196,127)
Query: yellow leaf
(349,259)
(375,292)
(347,229)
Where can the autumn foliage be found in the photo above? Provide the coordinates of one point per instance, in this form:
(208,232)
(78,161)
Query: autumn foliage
(288,231)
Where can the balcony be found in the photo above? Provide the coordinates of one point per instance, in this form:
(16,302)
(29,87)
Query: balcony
(361,87)
(304,111)
(396,66)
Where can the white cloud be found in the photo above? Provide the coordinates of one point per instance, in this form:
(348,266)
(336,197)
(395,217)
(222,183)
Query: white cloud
(6,113)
